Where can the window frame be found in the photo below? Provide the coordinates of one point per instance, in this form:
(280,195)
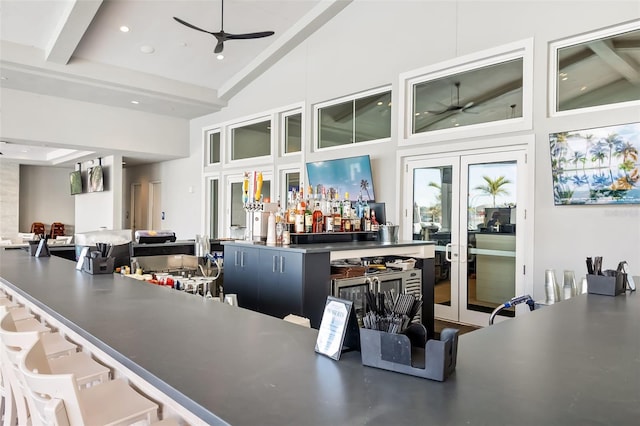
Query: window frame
(522,49)
(555,46)
(349,98)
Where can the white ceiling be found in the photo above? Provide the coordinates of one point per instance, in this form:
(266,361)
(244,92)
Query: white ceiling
(75,49)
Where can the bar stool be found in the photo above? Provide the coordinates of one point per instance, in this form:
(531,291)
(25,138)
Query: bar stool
(57,229)
(105,403)
(13,345)
(37,228)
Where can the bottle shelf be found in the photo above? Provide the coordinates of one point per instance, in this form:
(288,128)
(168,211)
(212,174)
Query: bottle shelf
(333,237)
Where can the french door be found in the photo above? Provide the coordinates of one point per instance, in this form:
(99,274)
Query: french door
(470,205)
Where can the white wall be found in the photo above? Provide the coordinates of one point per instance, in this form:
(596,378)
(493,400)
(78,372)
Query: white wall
(96,210)
(9,196)
(370,42)
(45,197)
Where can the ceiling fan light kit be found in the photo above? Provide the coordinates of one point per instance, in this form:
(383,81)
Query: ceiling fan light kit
(222,36)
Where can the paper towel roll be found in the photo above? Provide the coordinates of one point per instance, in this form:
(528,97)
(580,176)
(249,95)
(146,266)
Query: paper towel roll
(271,230)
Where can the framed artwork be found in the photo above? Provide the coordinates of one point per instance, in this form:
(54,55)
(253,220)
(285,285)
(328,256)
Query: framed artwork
(596,166)
(75,181)
(95,178)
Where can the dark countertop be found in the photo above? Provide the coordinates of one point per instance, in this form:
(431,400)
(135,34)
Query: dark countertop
(576,362)
(329,247)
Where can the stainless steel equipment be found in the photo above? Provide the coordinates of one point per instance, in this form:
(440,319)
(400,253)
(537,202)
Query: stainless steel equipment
(148,236)
(396,282)
(259,217)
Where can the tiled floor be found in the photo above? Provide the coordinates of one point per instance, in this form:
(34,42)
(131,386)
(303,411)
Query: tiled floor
(439,325)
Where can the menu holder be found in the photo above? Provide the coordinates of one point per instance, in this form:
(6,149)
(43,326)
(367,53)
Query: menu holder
(606,285)
(410,352)
(43,249)
(338,331)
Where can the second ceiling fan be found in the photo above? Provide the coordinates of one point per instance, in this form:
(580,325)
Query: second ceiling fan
(221,36)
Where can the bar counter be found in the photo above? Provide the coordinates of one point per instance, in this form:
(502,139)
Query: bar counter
(576,362)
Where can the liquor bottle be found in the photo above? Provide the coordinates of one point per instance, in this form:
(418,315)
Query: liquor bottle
(308,214)
(318,218)
(299,212)
(366,218)
(337,216)
(374,222)
(346,213)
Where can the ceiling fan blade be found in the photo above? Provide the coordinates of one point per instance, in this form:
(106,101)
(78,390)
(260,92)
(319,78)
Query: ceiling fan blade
(249,35)
(185,23)
(219,46)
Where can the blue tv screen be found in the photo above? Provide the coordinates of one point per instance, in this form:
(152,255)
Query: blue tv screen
(352,175)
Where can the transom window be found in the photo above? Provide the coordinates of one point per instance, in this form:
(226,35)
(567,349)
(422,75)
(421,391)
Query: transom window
(481,95)
(599,69)
(251,140)
(359,119)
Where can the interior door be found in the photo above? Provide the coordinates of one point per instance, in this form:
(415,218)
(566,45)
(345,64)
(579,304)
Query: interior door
(468,205)
(155,205)
(137,218)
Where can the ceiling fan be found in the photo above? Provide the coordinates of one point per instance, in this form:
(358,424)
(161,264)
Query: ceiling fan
(455,107)
(222,36)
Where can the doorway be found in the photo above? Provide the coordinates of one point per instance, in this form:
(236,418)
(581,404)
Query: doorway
(470,205)
(137,218)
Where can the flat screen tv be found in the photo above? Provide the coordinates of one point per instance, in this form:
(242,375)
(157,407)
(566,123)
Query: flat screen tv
(95,178)
(75,181)
(596,166)
(342,175)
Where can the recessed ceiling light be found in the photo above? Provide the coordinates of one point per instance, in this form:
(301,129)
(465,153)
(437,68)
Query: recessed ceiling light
(417,113)
(147,49)
(583,88)
(379,103)
(565,78)
(124,29)
(3,78)
(220,57)
(135,102)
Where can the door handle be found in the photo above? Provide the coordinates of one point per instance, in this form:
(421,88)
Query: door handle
(242,259)
(282,264)
(235,258)
(447,252)
(273,264)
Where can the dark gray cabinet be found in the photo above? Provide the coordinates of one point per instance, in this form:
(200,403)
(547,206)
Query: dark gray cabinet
(241,275)
(277,281)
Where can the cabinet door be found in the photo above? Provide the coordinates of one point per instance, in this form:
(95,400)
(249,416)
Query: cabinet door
(241,276)
(281,288)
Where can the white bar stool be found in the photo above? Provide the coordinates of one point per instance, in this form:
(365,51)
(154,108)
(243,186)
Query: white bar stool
(112,402)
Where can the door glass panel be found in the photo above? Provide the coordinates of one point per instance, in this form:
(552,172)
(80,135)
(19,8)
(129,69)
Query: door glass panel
(491,236)
(292,181)
(432,208)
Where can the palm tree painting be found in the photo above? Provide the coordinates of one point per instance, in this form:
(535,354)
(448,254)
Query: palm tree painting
(364,186)
(494,187)
(596,166)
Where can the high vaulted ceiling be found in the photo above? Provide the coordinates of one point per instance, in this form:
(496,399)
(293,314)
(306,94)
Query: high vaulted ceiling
(76,49)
